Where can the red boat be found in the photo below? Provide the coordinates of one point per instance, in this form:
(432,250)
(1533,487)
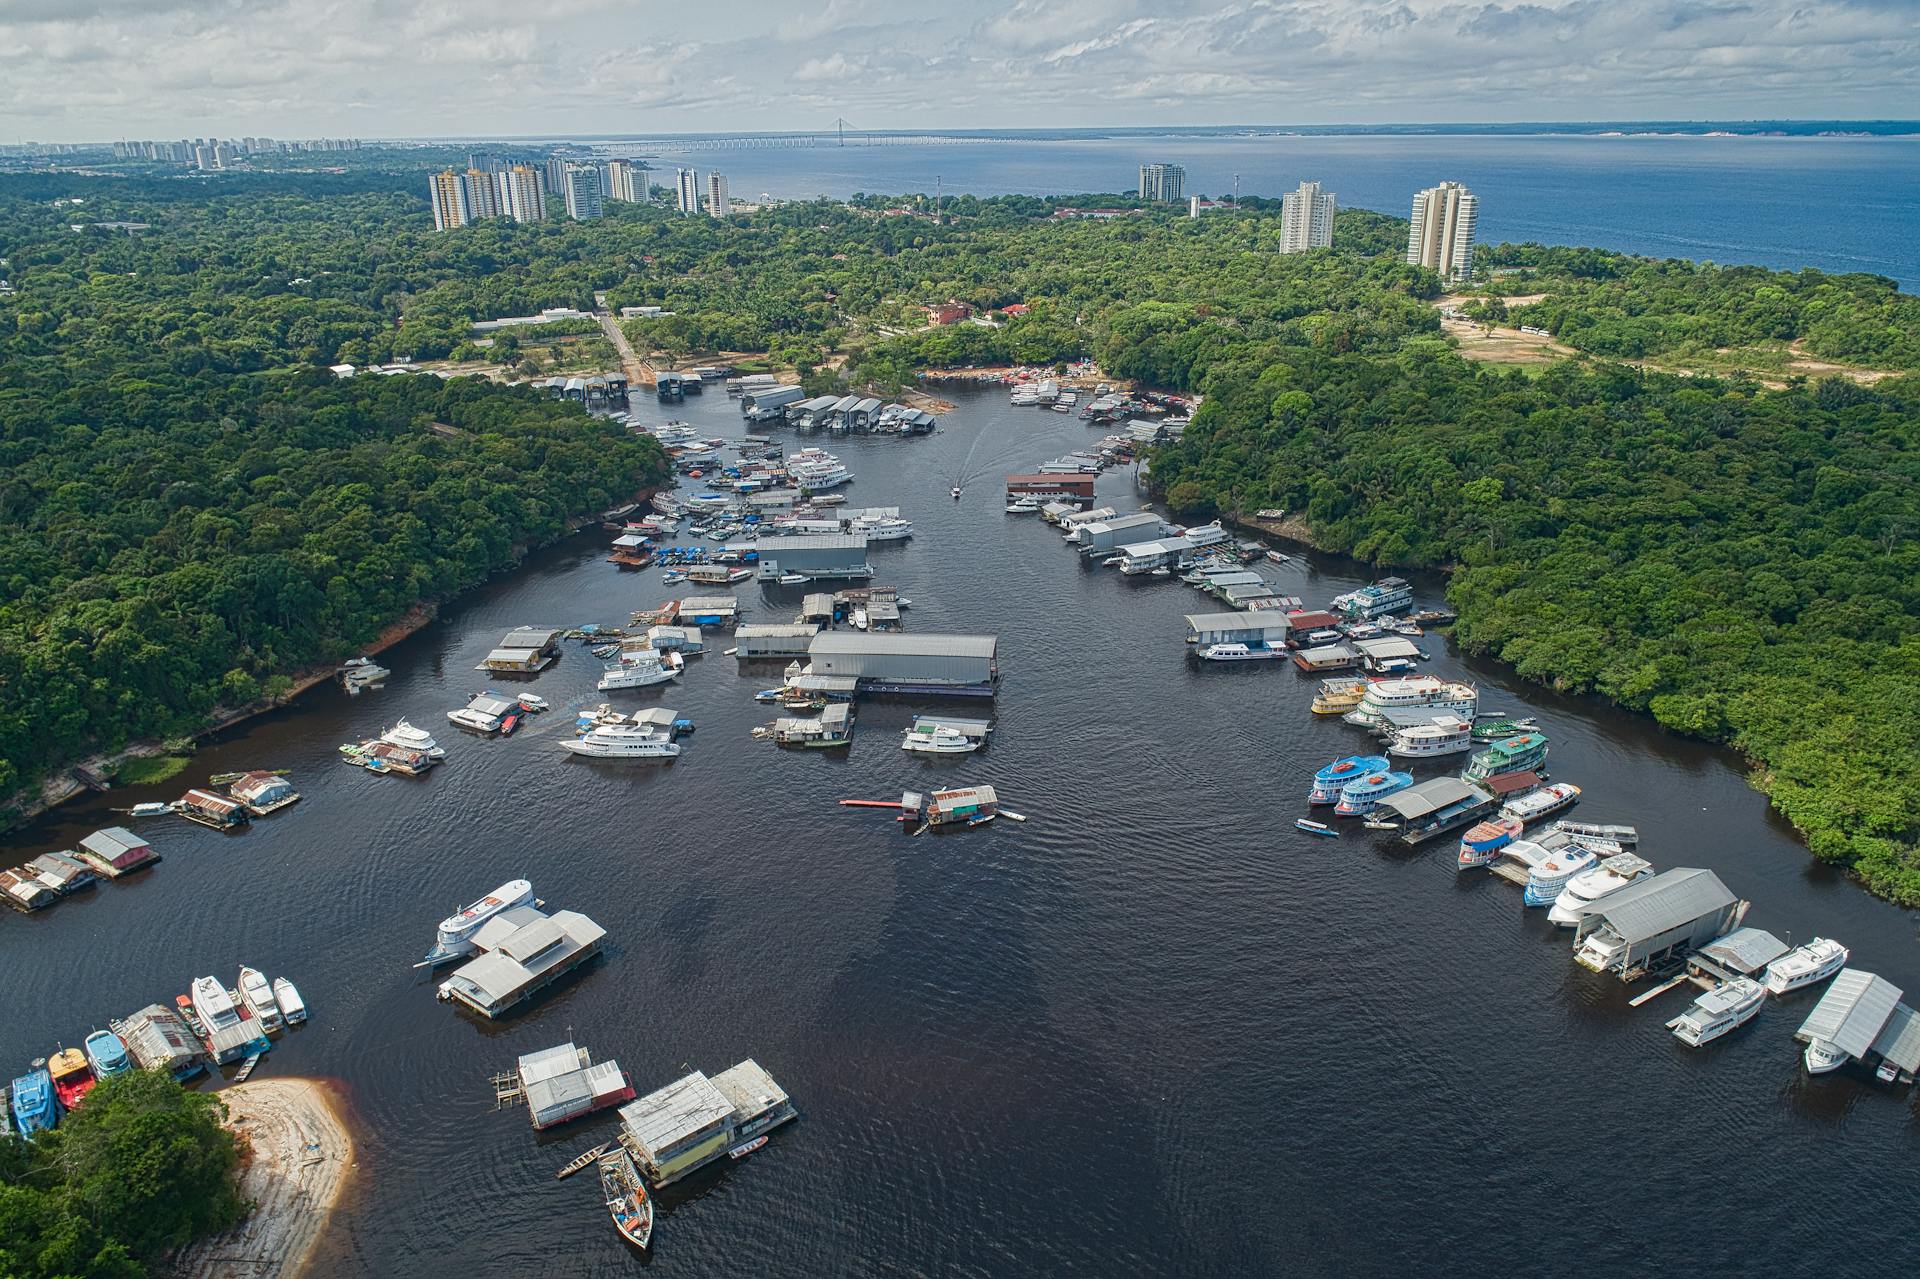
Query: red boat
(72,1077)
(508,724)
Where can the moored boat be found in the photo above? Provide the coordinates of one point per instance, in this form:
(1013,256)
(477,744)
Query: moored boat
(455,938)
(256,992)
(1363,794)
(1576,900)
(1331,780)
(72,1077)
(1542,802)
(1805,965)
(1238,652)
(746,1148)
(1312,827)
(1519,753)
(107,1054)
(1338,696)
(1447,735)
(626,1196)
(1483,841)
(938,741)
(624,741)
(416,739)
(292,1007)
(1546,881)
(1729,1005)
(35,1107)
(1497,727)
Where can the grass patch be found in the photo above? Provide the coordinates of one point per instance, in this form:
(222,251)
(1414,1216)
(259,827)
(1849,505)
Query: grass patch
(145,770)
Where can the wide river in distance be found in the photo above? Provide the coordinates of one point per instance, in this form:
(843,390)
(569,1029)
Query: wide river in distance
(1151,1031)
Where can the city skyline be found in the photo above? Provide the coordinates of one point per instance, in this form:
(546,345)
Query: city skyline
(93,70)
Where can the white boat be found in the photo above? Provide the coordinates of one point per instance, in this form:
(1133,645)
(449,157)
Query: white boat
(641,668)
(474,719)
(532,702)
(884,530)
(793,579)
(941,741)
(624,741)
(1816,961)
(292,1007)
(1546,880)
(1447,735)
(1543,802)
(1237,653)
(414,739)
(153,808)
(1025,506)
(1730,1004)
(1822,1057)
(455,937)
(1448,696)
(257,993)
(859,619)
(213,1003)
(1576,900)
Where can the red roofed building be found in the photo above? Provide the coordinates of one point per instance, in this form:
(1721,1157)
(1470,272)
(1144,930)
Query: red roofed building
(949,312)
(1017,308)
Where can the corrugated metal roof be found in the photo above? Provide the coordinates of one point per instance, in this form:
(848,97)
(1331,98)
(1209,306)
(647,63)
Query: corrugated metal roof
(750,1088)
(112,842)
(685,1107)
(812,542)
(1899,1040)
(1670,899)
(529,637)
(1852,1012)
(1745,950)
(548,1063)
(1431,796)
(776,632)
(1387,646)
(1164,546)
(839,643)
(1198,622)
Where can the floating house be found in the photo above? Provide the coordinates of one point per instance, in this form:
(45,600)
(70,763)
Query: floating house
(1326,657)
(1387,653)
(959,806)
(901,663)
(833,726)
(211,809)
(564,1083)
(1237,628)
(522,952)
(774,641)
(1744,952)
(818,555)
(675,639)
(22,890)
(1677,910)
(525,651)
(696,1120)
(159,1040)
(116,851)
(1433,807)
(709,610)
(263,793)
(62,872)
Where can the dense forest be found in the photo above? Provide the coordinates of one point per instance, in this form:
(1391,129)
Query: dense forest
(1738,562)
(143,1168)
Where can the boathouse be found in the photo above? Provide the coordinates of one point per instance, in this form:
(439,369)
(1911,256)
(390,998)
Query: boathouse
(1677,910)
(564,1082)
(695,1120)
(1431,807)
(1106,537)
(895,662)
(773,641)
(1074,520)
(817,606)
(1074,487)
(115,851)
(1898,1045)
(1387,653)
(1852,1013)
(211,809)
(710,610)
(808,414)
(764,404)
(263,792)
(523,651)
(159,1040)
(1236,628)
(523,951)
(817,555)
(1744,952)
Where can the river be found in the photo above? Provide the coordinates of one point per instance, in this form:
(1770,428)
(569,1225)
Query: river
(1151,1031)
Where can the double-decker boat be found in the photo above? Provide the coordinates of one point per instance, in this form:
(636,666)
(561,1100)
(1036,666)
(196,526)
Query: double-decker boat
(1804,965)
(1330,781)
(455,938)
(1484,840)
(1363,795)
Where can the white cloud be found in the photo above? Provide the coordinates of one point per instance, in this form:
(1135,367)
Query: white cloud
(108,68)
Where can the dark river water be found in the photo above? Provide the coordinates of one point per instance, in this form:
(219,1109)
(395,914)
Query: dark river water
(1151,1031)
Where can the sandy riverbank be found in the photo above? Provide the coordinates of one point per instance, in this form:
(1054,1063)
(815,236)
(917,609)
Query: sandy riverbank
(297,1160)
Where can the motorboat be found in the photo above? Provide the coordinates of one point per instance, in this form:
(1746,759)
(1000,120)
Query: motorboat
(1720,1010)
(1547,880)
(884,530)
(152,808)
(1331,780)
(1820,1057)
(213,1004)
(1447,735)
(1576,900)
(626,1196)
(292,1007)
(1484,840)
(1312,827)
(956,492)
(624,741)
(455,938)
(1804,965)
(414,739)
(938,741)
(1238,653)
(1514,754)
(793,579)
(1364,794)
(107,1054)
(257,993)
(72,1077)
(35,1107)
(746,1148)
(1338,696)
(534,702)
(1542,802)
(1025,506)
(641,668)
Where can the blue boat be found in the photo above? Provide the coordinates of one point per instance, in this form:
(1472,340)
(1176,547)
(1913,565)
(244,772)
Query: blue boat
(35,1108)
(106,1054)
(1363,795)
(1315,828)
(1331,780)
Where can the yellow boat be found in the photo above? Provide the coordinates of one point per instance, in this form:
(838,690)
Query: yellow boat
(1338,696)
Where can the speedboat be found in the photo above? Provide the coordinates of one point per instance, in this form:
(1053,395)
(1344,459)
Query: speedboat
(152,808)
(534,702)
(1576,900)
(414,739)
(455,938)
(72,1077)
(956,492)
(627,1200)
(1544,802)
(624,741)
(938,741)
(35,1107)
(1331,780)
(257,993)
(1820,1057)
(1237,653)
(792,579)
(107,1054)
(1363,794)
(292,1007)
(1484,840)
(1816,961)
(1730,1004)
(1551,876)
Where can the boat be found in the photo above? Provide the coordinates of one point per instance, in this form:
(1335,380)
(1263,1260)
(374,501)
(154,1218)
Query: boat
(1238,653)
(1331,780)
(1484,840)
(1447,735)
(1546,881)
(938,741)
(956,492)
(455,938)
(1363,794)
(534,702)
(1526,751)
(1720,1010)
(640,669)
(509,722)
(579,1162)
(1614,873)
(793,579)
(859,618)
(362,672)
(1416,692)
(1338,696)
(1804,965)
(257,993)
(1025,506)
(673,577)
(107,1054)
(213,1004)
(415,739)
(1388,595)
(1278,557)
(1314,828)
(739,575)
(152,808)
(287,995)
(884,529)
(35,1107)
(1822,1057)
(626,1196)
(1543,802)
(623,741)
(72,1077)
(1491,730)
(746,1148)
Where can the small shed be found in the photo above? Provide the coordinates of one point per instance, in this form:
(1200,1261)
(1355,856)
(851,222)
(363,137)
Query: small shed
(1327,657)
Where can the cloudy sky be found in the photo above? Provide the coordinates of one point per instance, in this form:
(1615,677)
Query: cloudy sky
(86,69)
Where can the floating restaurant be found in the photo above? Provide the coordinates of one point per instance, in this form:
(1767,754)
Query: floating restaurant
(522,951)
(696,1120)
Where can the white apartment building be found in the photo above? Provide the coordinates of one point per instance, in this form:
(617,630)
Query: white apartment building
(1306,219)
(718,206)
(688,195)
(1442,233)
